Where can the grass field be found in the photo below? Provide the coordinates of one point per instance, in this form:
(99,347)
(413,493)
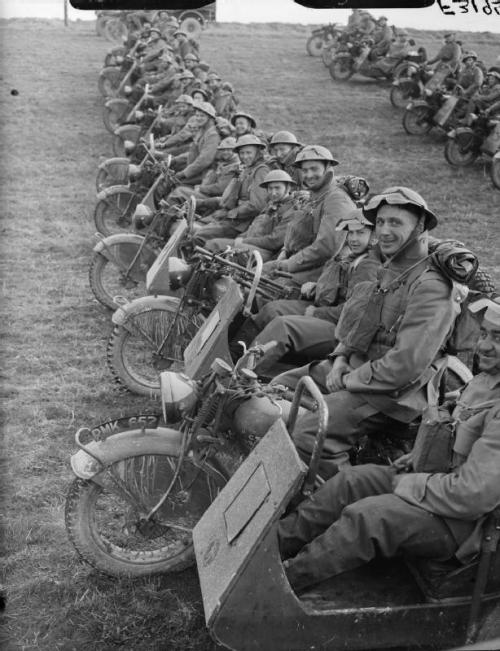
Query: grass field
(54,334)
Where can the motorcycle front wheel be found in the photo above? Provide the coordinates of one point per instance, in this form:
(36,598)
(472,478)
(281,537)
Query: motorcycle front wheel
(402,94)
(327,55)
(113,117)
(495,172)
(457,155)
(416,121)
(109,81)
(341,69)
(113,213)
(115,31)
(107,280)
(314,46)
(107,524)
(132,352)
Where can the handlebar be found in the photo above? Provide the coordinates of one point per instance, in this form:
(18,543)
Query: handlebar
(307,383)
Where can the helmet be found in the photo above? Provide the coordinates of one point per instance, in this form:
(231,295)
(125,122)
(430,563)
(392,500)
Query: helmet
(276,176)
(284,138)
(191,57)
(494,71)
(184,99)
(470,54)
(227,143)
(178,394)
(223,126)
(249,139)
(202,91)
(155,30)
(354,221)
(204,107)
(214,75)
(186,74)
(180,32)
(315,152)
(242,114)
(399,195)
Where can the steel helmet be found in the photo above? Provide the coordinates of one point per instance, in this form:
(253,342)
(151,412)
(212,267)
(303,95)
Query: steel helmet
(275,176)
(227,143)
(186,74)
(494,71)
(399,196)
(204,107)
(191,57)
(155,30)
(202,91)
(242,114)
(249,139)
(203,65)
(214,75)
(180,32)
(184,99)
(284,138)
(315,152)
(470,54)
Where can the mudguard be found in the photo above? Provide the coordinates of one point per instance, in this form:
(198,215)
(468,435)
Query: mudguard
(342,55)
(117,105)
(113,189)
(130,132)
(125,312)
(117,168)
(116,240)
(132,443)
(464,136)
(417,103)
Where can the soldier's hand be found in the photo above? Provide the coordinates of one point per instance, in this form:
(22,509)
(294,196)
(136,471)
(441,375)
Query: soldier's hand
(334,379)
(404,462)
(308,289)
(310,309)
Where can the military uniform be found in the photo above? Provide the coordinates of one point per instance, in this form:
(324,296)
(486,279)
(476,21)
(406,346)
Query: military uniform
(201,154)
(369,511)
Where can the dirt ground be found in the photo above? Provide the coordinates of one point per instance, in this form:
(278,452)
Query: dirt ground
(53,333)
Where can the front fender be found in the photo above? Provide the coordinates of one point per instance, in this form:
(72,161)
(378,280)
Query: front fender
(418,103)
(117,168)
(142,304)
(132,443)
(113,189)
(117,103)
(129,132)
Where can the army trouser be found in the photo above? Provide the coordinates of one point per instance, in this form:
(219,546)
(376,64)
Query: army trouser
(226,228)
(351,519)
(305,335)
(350,416)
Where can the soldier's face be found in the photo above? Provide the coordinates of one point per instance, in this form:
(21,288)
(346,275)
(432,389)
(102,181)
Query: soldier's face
(488,348)
(393,227)
(277,190)
(201,118)
(359,240)
(225,154)
(313,172)
(242,126)
(281,151)
(198,96)
(183,108)
(248,154)
(189,64)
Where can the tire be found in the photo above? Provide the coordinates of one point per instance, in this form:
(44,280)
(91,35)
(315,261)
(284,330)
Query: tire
(341,69)
(495,172)
(104,180)
(119,146)
(115,31)
(314,46)
(104,526)
(327,55)
(112,116)
(114,213)
(416,121)
(107,280)
(458,156)
(110,58)
(191,26)
(100,24)
(401,95)
(109,81)
(131,356)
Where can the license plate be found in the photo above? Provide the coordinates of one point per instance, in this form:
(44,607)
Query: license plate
(103,430)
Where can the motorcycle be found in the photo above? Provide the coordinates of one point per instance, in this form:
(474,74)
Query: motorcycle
(441,109)
(410,86)
(113,79)
(465,144)
(321,37)
(118,111)
(151,333)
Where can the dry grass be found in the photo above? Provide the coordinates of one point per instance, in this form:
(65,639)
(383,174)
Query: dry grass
(53,334)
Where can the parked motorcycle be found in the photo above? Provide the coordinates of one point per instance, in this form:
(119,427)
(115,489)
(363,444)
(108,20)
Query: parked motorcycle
(410,86)
(441,109)
(120,170)
(321,37)
(465,144)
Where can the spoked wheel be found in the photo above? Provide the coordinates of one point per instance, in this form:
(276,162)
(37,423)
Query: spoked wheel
(113,116)
(459,155)
(314,46)
(341,69)
(113,213)
(402,94)
(118,145)
(416,120)
(133,356)
(108,523)
(495,172)
(115,31)
(107,280)
(109,81)
(327,54)
(105,179)
(191,26)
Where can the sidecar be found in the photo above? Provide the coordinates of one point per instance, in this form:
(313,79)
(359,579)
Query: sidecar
(249,604)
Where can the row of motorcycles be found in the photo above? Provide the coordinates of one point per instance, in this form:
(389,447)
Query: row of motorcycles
(205,476)
(425,107)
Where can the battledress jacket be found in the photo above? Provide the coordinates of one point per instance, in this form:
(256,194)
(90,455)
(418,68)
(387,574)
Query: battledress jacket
(464,496)
(217,178)
(202,152)
(311,238)
(405,349)
(267,231)
(245,195)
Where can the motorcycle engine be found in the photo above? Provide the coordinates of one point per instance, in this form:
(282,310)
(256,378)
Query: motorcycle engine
(178,395)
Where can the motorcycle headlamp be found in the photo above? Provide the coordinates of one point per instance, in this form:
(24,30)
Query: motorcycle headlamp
(143,216)
(133,171)
(178,272)
(178,395)
(139,115)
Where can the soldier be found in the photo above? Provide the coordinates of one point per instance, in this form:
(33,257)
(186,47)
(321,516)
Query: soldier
(175,118)
(448,59)
(382,39)
(200,71)
(180,142)
(489,93)
(373,510)
(243,123)
(284,147)
(244,197)
(471,77)
(204,147)
(397,51)
(154,49)
(391,334)
(190,61)
(266,233)
(183,46)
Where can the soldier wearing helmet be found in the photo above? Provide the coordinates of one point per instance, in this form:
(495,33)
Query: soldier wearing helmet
(244,197)
(447,59)
(182,45)
(173,119)
(471,76)
(243,123)
(202,152)
(284,147)
(190,60)
(398,50)
(267,231)
(487,97)
(390,337)
(382,39)
(179,143)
